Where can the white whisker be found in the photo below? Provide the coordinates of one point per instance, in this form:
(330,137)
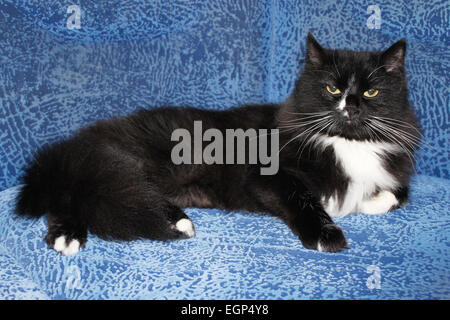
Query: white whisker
(398,122)
(303,133)
(311,139)
(389,135)
(378,68)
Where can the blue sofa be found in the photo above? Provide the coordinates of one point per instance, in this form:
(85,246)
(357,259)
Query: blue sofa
(63,67)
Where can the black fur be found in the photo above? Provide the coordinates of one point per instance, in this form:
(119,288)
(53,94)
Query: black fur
(116,178)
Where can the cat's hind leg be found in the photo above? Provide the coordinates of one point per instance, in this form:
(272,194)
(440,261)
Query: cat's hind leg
(100,189)
(118,217)
(64,235)
(140,213)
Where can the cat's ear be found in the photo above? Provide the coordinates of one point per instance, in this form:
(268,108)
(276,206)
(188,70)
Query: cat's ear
(314,52)
(394,57)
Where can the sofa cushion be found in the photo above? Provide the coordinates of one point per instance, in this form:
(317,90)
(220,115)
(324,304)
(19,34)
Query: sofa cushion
(400,255)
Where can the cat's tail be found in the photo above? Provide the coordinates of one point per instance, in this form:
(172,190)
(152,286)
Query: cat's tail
(41,181)
(30,201)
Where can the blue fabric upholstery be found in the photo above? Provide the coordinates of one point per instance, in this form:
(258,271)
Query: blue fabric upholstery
(239,255)
(214,54)
(14,281)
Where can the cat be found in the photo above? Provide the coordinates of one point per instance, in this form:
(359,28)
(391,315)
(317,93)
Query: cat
(347,136)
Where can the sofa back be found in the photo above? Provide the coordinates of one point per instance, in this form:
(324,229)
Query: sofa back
(66,64)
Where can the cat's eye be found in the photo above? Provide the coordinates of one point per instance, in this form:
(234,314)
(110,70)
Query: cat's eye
(371,93)
(333,90)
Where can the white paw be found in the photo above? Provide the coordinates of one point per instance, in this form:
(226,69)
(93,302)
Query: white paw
(62,247)
(379,204)
(319,247)
(185,226)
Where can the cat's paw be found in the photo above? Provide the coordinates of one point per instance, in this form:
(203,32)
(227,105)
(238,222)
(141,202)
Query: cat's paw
(64,244)
(381,203)
(185,227)
(331,239)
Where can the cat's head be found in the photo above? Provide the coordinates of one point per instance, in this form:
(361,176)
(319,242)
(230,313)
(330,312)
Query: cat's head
(355,95)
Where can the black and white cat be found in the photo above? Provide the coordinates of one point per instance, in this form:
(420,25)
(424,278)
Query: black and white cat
(347,133)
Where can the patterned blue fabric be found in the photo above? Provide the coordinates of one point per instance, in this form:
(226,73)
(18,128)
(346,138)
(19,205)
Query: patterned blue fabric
(238,255)
(14,281)
(126,55)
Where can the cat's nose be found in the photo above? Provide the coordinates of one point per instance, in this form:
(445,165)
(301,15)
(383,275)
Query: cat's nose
(353,112)
(352,108)
(349,107)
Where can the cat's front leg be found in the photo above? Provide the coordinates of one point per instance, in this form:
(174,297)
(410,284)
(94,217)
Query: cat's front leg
(300,210)
(315,228)
(385,201)
(380,203)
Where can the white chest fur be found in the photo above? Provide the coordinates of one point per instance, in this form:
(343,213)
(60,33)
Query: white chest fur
(363,164)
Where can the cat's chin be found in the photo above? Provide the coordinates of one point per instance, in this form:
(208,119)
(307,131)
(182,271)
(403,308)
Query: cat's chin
(350,131)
